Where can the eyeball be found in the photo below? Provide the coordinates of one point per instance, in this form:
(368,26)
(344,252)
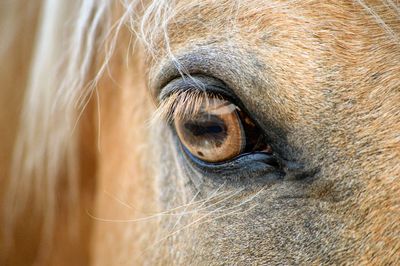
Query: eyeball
(215,133)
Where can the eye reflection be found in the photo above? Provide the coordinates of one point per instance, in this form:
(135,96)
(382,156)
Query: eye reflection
(219,131)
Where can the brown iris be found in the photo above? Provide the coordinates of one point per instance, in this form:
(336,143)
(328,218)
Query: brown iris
(218,131)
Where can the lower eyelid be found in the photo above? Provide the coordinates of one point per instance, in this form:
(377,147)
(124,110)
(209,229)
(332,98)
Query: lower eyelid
(255,167)
(260,157)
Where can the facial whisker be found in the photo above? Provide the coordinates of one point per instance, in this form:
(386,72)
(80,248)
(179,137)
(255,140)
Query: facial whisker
(161,214)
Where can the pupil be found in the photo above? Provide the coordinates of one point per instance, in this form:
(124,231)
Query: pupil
(210,128)
(198,130)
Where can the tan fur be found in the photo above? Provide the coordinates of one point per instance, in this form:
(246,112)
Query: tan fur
(98,180)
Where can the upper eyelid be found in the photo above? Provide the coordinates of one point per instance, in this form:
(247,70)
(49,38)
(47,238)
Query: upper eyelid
(193,82)
(234,66)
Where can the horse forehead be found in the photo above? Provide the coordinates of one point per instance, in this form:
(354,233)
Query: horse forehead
(257,16)
(271,22)
(341,30)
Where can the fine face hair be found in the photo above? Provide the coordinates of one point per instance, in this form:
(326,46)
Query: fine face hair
(200,132)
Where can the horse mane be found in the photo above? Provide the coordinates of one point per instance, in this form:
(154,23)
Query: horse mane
(75,41)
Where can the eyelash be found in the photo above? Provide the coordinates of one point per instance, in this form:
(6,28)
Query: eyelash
(181,104)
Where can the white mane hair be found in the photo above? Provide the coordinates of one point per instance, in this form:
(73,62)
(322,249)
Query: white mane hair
(67,39)
(72,36)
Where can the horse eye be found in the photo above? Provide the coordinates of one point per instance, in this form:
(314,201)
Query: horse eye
(219,131)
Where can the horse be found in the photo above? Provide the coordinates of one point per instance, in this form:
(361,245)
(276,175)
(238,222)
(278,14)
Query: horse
(209,132)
